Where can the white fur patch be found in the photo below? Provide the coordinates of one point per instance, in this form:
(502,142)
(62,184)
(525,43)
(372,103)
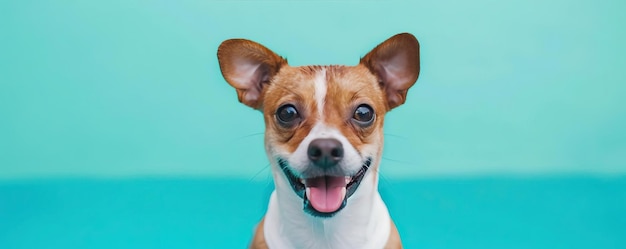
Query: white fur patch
(364,223)
(320,91)
(299,160)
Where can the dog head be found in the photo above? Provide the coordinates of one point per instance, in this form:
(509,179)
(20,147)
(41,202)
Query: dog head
(323,124)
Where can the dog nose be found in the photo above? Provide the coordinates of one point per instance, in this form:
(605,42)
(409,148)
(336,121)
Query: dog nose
(325,152)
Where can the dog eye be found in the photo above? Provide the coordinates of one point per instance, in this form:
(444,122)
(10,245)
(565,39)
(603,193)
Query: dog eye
(287,115)
(363,115)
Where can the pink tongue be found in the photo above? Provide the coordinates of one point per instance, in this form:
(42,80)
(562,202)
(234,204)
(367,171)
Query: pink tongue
(326,193)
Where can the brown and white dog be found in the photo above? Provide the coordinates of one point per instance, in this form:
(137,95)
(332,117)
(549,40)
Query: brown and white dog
(324,141)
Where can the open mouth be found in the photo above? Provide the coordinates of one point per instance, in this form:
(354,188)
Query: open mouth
(326,195)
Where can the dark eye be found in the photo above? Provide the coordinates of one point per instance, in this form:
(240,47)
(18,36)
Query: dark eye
(363,115)
(287,115)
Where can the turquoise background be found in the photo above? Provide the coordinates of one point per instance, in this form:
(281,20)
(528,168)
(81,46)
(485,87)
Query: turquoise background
(118,131)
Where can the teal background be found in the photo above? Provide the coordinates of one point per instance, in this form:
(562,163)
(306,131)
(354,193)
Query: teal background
(118,131)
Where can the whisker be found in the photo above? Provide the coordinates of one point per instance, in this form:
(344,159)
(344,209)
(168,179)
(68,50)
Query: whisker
(259,172)
(269,185)
(384,178)
(381,176)
(249,135)
(269,181)
(398,161)
(394,135)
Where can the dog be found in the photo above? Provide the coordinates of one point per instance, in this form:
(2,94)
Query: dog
(324,141)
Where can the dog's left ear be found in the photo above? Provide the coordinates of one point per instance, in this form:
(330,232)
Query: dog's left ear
(396,63)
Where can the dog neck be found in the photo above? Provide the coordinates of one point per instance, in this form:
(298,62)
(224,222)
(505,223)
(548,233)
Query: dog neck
(363,223)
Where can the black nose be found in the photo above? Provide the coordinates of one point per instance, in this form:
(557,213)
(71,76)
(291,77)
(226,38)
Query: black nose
(325,152)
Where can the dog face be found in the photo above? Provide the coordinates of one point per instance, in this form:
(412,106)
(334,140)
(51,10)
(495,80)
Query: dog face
(324,124)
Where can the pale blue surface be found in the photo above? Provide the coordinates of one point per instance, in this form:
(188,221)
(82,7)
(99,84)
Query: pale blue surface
(119,88)
(519,116)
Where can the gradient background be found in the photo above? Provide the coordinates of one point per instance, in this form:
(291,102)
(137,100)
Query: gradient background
(117,129)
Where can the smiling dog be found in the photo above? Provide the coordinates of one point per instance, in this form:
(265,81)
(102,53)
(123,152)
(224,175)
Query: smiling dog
(324,141)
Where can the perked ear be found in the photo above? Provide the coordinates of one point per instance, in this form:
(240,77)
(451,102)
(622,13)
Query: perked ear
(248,66)
(396,63)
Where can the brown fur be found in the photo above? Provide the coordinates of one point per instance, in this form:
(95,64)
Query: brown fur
(347,87)
(264,81)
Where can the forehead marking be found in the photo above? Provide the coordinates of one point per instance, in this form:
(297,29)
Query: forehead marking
(320,91)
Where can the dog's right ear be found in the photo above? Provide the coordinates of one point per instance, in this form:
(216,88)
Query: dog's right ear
(248,67)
